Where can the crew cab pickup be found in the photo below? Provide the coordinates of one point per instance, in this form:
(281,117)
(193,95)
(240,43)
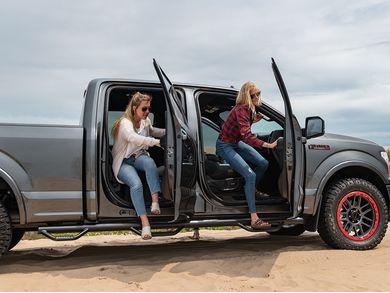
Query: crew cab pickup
(58,179)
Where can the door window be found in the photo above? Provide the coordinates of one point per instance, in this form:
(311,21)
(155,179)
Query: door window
(210,136)
(265,126)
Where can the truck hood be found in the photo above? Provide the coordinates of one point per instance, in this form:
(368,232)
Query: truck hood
(337,141)
(350,139)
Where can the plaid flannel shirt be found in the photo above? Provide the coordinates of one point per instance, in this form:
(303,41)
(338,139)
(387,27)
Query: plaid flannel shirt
(238,127)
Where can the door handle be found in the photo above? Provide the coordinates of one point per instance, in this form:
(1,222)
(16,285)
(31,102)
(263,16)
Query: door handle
(184,135)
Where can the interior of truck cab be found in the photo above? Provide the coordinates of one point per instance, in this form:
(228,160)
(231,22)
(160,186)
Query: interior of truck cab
(118,99)
(221,180)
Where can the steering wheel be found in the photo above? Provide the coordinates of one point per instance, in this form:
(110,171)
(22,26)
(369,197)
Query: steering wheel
(277,152)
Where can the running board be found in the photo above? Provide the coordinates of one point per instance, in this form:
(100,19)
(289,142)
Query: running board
(62,238)
(275,226)
(81,230)
(173,229)
(158,233)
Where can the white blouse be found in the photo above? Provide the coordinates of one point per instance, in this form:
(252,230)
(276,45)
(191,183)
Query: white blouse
(132,142)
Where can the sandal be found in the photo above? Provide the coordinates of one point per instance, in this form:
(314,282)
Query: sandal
(260,225)
(146,234)
(261,195)
(155,208)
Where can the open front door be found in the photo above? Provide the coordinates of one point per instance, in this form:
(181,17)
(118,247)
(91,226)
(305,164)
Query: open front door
(180,153)
(293,150)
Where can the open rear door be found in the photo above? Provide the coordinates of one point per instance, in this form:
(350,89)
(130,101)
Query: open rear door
(180,153)
(293,150)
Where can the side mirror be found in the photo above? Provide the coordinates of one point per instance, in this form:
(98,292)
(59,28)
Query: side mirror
(315,126)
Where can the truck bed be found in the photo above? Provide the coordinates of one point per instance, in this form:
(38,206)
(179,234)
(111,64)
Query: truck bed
(45,161)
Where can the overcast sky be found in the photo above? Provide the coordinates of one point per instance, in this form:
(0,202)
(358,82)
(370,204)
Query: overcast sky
(334,55)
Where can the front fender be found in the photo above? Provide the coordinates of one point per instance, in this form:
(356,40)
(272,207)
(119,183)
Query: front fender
(330,166)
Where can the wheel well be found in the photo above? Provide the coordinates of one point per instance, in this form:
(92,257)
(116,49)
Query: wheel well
(348,172)
(363,173)
(7,197)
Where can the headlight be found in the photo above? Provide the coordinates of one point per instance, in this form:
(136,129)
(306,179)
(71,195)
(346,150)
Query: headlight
(385,157)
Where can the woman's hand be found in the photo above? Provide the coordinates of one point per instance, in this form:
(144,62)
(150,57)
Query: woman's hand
(272,145)
(163,142)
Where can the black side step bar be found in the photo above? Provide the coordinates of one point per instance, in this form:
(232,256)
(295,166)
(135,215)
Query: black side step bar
(172,229)
(275,225)
(158,233)
(62,238)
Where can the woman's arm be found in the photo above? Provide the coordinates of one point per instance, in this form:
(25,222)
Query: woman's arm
(156,132)
(126,132)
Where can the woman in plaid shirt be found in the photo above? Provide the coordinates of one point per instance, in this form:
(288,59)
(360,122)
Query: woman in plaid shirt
(236,144)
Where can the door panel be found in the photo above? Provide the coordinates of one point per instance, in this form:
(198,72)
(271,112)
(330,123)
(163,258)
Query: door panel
(181,157)
(293,154)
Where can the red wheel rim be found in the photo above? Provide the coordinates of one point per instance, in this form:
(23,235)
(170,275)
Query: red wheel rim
(357,216)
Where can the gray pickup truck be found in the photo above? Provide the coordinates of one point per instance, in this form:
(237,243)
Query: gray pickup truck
(58,179)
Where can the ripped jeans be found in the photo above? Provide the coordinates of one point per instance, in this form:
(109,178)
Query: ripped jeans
(237,155)
(128,174)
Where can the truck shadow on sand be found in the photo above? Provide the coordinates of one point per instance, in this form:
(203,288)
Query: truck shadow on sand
(252,256)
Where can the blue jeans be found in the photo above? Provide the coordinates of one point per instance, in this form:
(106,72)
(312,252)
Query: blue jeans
(237,155)
(128,174)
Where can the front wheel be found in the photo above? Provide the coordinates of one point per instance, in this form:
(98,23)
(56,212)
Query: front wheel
(353,215)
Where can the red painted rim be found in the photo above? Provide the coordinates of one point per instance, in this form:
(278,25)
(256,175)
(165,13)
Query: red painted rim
(343,222)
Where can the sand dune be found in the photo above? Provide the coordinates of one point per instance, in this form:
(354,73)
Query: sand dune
(221,261)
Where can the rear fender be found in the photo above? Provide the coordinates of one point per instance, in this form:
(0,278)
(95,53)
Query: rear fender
(15,190)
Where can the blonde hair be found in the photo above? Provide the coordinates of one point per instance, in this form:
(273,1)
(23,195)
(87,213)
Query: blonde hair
(244,96)
(135,101)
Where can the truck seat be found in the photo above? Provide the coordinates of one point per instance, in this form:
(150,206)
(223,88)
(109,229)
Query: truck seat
(216,168)
(220,175)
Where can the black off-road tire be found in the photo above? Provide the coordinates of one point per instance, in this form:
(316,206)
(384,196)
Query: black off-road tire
(353,215)
(17,235)
(5,230)
(294,230)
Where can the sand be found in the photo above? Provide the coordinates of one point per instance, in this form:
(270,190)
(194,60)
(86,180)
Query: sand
(220,261)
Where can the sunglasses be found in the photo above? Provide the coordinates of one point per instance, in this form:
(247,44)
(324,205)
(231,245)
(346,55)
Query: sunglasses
(144,109)
(256,94)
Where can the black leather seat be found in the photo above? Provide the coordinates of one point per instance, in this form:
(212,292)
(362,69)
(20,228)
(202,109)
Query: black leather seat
(220,175)
(216,168)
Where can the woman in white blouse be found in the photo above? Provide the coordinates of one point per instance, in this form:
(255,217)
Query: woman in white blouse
(133,134)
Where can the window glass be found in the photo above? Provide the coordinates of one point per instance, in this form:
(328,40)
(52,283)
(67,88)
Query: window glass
(265,126)
(224,115)
(210,136)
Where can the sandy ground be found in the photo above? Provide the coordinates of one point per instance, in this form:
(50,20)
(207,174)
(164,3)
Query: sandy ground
(220,261)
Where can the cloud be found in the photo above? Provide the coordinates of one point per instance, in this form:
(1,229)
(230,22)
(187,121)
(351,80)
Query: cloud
(332,54)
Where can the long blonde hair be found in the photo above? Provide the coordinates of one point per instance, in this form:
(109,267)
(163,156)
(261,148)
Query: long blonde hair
(244,96)
(135,101)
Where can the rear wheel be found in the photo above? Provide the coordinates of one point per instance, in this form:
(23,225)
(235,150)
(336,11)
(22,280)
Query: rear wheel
(291,230)
(353,215)
(5,230)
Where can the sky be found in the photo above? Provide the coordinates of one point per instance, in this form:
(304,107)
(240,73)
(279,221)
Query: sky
(334,55)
